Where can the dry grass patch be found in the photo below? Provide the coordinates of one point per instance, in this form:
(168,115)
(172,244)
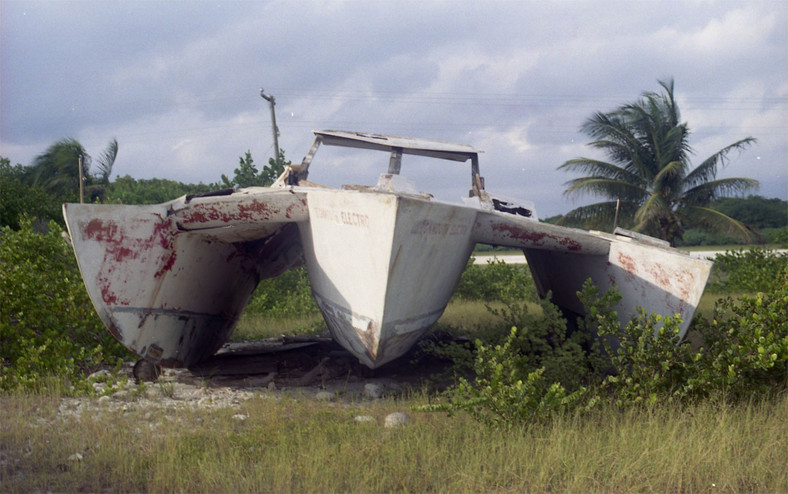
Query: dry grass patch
(256,327)
(271,444)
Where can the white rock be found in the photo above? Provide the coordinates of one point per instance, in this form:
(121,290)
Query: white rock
(324,396)
(364,419)
(121,394)
(396,419)
(239,416)
(373,390)
(98,375)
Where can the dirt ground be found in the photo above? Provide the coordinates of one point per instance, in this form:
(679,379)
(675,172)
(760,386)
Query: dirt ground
(311,365)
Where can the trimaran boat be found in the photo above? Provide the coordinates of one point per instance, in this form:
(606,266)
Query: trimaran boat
(171,280)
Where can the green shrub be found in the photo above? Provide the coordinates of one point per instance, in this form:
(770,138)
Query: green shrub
(48,327)
(504,392)
(286,295)
(18,197)
(744,352)
(566,357)
(749,271)
(494,281)
(745,344)
(543,369)
(532,371)
(777,235)
(648,360)
(694,237)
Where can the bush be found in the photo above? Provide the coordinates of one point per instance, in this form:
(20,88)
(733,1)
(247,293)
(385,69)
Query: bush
(777,236)
(745,344)
(648,361)
(543,369)
(48,327)
(566,357)
(18,197)
(749,271)
(504,392)
(286,295)
(744,352)
(497,281)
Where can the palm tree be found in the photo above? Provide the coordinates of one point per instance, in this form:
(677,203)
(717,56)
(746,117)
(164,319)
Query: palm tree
(57,169)
(648,179)
(104,163)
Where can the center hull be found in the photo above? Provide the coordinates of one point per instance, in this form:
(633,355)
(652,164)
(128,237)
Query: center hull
(383,266)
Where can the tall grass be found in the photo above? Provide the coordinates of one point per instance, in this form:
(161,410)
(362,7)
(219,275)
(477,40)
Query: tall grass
(461,316)
(258,327)
(301,445)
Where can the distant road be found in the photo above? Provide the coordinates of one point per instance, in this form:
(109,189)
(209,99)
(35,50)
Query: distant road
(520,258)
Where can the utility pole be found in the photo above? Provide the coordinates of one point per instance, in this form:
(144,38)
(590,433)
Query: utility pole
(615,221)
(270,99)
(81,185)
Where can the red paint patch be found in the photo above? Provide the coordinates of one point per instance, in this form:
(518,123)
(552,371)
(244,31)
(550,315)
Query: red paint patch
(627,262)
(122,250)
(536,238)
(169,261)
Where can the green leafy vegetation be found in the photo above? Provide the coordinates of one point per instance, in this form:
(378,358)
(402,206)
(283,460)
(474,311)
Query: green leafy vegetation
(286,295)
(542,371)
(749,271)
(18,197)
(128,190)
(504,390)
(48,327)
(246,175)
(495,281)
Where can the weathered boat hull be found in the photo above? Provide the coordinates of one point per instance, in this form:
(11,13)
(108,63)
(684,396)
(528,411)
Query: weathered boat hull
(171,280)
(645,271)
(383,266)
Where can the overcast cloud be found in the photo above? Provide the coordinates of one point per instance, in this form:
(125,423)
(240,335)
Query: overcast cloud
(177,83)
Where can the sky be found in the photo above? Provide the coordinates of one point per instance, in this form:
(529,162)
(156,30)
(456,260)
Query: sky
(178,83)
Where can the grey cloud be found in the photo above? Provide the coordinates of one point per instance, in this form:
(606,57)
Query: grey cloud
(177,82)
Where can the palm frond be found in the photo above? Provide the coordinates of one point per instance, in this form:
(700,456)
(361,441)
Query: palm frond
(707,170)
(714,221)
(106,161)
(605,187)
(704,193)
(599,216)
(654,206)
(670,172)
(614,136)
(669,182)
(602,169)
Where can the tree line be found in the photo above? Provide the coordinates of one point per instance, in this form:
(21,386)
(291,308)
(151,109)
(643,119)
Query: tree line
(40,189)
